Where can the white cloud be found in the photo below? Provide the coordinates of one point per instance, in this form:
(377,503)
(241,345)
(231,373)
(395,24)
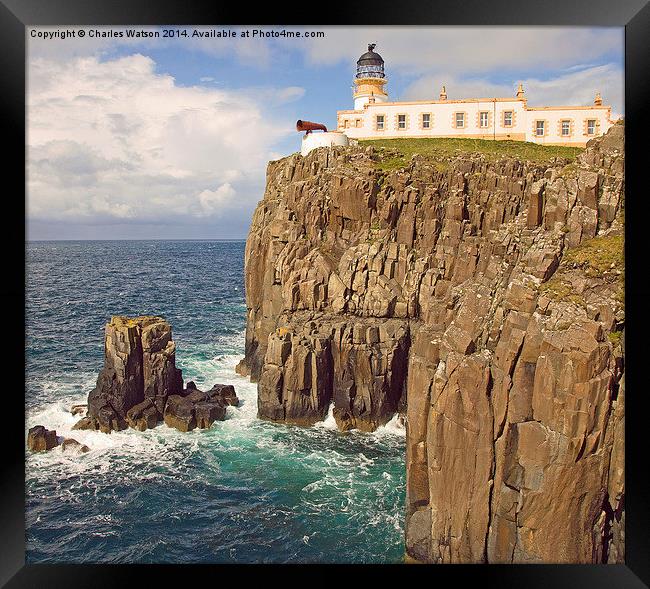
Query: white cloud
(290,94)
(466,50)
(114,141)
(214,200)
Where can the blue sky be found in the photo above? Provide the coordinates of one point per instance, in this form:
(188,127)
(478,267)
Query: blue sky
(169,138)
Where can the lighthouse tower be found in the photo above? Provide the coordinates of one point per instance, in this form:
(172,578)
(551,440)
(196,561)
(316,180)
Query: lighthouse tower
(370,79)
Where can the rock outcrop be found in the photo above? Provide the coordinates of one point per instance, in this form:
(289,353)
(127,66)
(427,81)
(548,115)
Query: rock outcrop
(483,296)
(74,446)
(139,367)
(359,366)
(40,439)
(195,408)
(140,385)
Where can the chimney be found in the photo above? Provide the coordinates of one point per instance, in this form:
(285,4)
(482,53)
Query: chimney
(598,101)
(520,90)
(443,93)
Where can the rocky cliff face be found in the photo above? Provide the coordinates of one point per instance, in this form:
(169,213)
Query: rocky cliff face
(484,297)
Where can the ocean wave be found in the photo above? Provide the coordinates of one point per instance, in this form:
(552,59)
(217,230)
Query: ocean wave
(329,422)
(395,427)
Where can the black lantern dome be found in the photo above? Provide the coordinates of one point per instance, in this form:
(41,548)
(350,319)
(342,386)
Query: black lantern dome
(370,64)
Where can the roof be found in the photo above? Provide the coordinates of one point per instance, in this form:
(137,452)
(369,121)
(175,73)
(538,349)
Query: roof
(480,100)
(370,57)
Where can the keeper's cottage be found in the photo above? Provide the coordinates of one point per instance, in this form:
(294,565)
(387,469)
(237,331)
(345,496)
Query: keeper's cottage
(376,117)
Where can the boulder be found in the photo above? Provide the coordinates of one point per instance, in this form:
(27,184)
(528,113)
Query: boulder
(179,413)
(195,408)
(207,412)
(78,409)
(40,439)
(72,445)
(224,393)
(86,423)
(143,415)
(108,420)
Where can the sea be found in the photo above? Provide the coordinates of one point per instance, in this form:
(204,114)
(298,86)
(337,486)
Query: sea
(243,491)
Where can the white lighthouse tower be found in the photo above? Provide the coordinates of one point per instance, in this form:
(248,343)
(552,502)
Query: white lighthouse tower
(370,79)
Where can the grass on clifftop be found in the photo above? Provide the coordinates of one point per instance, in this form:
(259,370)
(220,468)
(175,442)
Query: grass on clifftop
(445,147)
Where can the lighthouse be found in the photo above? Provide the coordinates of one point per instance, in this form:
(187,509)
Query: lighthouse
(370,80)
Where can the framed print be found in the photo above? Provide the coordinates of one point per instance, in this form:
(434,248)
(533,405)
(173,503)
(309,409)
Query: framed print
(339,294)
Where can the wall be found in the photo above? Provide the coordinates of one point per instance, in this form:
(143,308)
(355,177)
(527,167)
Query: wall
(362,122)
(578,117)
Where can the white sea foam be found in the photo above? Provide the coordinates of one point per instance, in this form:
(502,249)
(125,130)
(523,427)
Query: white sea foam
(329,422)
(364,460)
(395,427)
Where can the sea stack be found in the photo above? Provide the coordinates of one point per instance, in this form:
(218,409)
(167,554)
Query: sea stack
(139,375)
(140,385)
(481,294)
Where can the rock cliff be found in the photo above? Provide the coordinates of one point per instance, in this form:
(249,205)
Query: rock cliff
(482,296)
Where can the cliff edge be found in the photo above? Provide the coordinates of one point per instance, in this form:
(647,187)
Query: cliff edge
(478,294)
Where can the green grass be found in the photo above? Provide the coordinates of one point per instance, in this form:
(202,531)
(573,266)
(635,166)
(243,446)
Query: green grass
(615,337)
(401,150)
(598,255)
(594,257)
(390,163)
(560,290)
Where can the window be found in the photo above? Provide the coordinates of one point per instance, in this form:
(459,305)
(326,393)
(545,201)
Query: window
(591,126)
(346,123)
(507,118)
(380,122)
(539,128)
(358,123)
(426,120)
(401,121)
(483,118)
(460,120)
(566,128)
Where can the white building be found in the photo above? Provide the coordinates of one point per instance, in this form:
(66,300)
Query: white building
(376,117)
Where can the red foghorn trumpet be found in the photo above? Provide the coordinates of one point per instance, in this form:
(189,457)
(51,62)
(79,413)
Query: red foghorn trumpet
(309,127)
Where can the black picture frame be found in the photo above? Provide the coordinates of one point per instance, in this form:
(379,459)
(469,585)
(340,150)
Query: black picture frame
(15,15)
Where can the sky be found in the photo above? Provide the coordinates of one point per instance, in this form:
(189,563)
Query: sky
(169,137)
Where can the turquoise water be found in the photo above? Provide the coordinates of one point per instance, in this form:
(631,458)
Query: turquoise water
(243,491)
